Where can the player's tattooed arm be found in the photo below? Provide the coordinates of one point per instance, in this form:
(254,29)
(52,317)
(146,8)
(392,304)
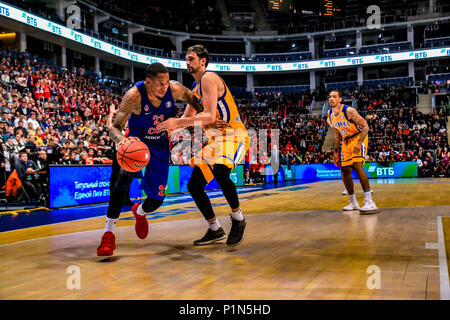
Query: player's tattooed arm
(353,115)
(130,104)
(180,92)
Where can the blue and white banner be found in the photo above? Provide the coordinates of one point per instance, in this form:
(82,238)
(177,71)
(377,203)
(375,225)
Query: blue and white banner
(32,20)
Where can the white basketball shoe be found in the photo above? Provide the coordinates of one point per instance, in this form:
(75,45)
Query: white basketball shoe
(351,207)
(368,208)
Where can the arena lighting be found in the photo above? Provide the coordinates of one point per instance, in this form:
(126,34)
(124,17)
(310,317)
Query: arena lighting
(7,35)
(56,29)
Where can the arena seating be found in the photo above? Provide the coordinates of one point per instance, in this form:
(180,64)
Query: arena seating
(399,132)
(343,52)
(386,48)
(67,117)
(437,42)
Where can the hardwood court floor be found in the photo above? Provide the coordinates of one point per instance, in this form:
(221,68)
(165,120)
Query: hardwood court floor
(289,252)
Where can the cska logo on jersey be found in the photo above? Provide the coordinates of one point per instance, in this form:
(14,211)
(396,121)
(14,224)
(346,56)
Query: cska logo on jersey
(146,108)
(168,104)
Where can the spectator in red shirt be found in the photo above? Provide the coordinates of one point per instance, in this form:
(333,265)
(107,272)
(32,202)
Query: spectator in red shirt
(38,91)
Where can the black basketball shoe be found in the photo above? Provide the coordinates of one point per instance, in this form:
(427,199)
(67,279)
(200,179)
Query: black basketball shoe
(236,232)
(211,237)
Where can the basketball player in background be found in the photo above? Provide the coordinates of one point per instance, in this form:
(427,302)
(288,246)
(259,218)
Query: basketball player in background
(223,152)
(350,149)
(146,104)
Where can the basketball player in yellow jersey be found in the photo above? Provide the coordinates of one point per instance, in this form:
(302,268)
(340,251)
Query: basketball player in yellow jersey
(350,149)
(224,151)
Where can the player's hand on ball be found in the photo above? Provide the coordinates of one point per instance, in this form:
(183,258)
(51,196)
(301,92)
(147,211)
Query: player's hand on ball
(128,139)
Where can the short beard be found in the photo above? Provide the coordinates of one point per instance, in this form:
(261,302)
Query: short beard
(192,70)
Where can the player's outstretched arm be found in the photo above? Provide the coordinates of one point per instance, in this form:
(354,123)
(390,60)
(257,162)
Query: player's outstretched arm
(130,104)
(207,116)
(194,105)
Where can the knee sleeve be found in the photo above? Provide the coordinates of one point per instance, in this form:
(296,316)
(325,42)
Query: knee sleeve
(222,176)
(123,182)
(196,187)
(197,182)
(222,173)
(119,194)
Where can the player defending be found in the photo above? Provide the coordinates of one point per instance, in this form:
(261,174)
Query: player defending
(146,104)
(350,149)
(223,151)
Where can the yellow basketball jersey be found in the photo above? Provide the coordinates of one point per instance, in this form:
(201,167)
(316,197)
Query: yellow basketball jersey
(340,122)
(226,107)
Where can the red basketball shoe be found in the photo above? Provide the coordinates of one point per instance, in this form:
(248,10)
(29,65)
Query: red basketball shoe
(108,244)
(141,226)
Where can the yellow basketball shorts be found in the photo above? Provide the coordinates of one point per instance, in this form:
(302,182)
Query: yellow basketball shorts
(346,154)
(224,150)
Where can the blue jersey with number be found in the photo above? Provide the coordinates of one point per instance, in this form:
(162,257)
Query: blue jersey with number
(144,125)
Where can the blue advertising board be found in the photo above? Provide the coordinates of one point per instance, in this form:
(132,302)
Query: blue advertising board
(77,185)
(326,171)
(80,185)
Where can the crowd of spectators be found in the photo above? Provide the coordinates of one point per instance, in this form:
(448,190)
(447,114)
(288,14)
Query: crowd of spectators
(301,134)
(58,116)
(61,112)
(400,132)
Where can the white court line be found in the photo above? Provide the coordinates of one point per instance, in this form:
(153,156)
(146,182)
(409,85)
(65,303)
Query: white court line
(427,266)
(443,269)
(431,245)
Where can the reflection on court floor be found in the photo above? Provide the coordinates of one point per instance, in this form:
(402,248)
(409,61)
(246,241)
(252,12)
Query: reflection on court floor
(298,245)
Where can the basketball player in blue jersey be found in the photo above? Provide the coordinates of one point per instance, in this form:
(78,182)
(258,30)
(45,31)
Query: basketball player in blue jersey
(350,149)
(144,106)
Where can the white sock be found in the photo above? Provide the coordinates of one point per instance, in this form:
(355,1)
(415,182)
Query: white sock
(110,224)
(214,225)
(140,211)
(237,215)
(353,198)
(368,195)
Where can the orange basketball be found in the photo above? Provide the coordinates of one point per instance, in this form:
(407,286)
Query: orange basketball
(133,156)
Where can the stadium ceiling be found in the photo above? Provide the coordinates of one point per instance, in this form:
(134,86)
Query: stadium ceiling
(40,27)
(352,8)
